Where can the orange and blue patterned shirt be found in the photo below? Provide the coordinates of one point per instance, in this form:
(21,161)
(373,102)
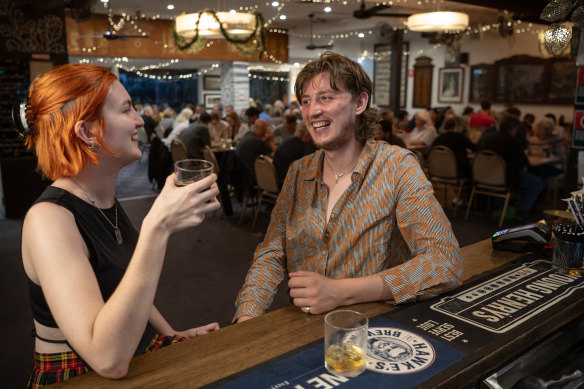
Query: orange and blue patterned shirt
(387,222)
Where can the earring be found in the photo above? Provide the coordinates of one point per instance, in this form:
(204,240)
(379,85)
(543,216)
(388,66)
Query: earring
(95,147)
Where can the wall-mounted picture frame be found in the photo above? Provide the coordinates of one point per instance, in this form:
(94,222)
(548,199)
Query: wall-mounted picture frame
(211,82)
(211,99)
(450,83)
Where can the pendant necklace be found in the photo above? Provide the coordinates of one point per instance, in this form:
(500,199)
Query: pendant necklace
(338,176)
(117,232)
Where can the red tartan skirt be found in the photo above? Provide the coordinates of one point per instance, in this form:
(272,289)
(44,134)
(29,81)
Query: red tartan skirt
(52,368)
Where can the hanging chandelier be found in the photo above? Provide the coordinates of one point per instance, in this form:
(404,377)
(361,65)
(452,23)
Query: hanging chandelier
(438,21)
(244,30)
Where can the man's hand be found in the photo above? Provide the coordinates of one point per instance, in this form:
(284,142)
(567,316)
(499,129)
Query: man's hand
(243,318)
(313,290)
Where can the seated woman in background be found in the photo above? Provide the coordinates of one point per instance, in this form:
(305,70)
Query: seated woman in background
(92,276)
(546,144)
(178,127)
(236,129)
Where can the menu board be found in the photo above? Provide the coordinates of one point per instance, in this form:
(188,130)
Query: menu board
(14,81)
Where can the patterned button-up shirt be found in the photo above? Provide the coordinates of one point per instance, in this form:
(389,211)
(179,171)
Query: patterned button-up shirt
(387,222)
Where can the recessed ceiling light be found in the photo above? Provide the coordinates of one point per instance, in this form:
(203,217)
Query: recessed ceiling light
(327,9)
(361,35)
(282,17)
(275,4)
(170,6)
(232,11)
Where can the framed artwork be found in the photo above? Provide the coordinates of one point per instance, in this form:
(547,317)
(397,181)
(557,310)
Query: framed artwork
(450,82)
(211,82)
(482,83)
(211,99)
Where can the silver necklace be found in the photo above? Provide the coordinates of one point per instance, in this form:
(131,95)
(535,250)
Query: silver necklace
(117,232)
(338,176)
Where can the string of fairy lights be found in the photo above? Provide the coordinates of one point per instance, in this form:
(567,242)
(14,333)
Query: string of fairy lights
(146,71)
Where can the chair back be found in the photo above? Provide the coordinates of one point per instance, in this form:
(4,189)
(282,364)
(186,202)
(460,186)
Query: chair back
(489,171)
(159,131)
(178,150)
(266,175)
(209,156)
(442,163)
(142,137)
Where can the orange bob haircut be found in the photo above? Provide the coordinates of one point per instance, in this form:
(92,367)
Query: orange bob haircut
(57,100)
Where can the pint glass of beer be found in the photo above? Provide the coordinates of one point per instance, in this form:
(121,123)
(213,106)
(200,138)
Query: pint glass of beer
(345,342)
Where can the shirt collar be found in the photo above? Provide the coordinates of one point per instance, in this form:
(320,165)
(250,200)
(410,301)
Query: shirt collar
(314,168)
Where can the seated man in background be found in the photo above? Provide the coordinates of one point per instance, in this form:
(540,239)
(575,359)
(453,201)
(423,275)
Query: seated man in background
(292,149)
(504,144)
(197,136)
(356,221)
(287,129)
(458,143)
(254,143)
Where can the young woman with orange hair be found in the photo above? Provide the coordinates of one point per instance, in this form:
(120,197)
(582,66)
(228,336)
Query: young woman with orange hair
(92,275)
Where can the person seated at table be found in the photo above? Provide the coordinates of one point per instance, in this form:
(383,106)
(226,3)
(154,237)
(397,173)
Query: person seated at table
(258,142)
(277,119)
(458,143)
(218,129)
(546,144)
(459,122)
(504,144)
(292,149)
(92,276)
(252,114)
(388,133)
(356,221)
(478,122)
(237,129)
(287,129)
(168,118)
(423,133)
(179,126)
(197,136)
(149,122)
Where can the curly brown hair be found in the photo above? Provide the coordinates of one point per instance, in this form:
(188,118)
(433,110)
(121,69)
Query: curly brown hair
(349,75)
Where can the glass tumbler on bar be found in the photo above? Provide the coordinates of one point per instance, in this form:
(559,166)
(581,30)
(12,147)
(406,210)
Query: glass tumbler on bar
(191,170)
(568,257)
(345,342)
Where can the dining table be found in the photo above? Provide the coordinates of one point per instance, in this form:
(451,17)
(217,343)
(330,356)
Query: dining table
(242,355)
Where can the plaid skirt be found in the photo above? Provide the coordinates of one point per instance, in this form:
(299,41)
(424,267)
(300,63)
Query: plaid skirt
(52,368)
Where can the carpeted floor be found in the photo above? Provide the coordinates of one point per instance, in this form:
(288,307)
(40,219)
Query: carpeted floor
(204,269)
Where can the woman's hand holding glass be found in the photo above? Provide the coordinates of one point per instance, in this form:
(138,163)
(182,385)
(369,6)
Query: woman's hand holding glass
(177,208)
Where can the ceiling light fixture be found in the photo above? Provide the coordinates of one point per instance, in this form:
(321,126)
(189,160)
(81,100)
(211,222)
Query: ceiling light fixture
(237,28)
(438,21)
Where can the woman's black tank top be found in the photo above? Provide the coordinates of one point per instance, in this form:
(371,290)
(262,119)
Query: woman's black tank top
(108,259)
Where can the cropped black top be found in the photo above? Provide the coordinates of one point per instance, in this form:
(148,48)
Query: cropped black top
(108,259)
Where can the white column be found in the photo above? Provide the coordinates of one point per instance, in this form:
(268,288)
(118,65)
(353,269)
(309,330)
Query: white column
(235,85)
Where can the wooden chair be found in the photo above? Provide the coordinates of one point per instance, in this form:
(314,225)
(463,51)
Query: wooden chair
(443,170)
(489,178)
(178,150)
(209,155)
(267,183)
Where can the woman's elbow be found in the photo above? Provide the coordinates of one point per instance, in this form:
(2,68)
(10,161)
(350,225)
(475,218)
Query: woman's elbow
(112,369)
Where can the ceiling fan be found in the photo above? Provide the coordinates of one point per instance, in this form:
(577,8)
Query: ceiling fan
(111,34)
(364,13)
(311,45)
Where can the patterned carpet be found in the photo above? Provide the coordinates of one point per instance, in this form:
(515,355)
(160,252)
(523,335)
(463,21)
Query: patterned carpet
(133,180)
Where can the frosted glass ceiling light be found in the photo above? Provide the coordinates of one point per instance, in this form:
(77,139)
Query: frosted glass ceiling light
(438,21)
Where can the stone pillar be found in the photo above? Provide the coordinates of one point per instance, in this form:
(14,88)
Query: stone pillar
(235,85)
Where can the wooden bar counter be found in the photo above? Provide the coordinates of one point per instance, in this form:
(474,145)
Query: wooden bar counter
(207,359)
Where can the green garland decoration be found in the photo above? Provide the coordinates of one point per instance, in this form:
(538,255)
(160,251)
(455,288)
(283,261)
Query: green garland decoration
(259,44)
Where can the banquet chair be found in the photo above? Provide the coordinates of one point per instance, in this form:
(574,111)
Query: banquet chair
(489,179)
(209,156)
(267,183)
(178,150)
(159,130)
(420,158)
(443,170)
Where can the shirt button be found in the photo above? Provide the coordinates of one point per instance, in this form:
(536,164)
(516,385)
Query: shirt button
(324,252)
(333,216)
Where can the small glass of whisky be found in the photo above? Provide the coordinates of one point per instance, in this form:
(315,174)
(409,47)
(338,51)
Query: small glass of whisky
(345,342)
(191,170)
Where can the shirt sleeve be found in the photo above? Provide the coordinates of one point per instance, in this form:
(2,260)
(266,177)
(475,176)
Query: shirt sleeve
(269,264)
(436,264)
